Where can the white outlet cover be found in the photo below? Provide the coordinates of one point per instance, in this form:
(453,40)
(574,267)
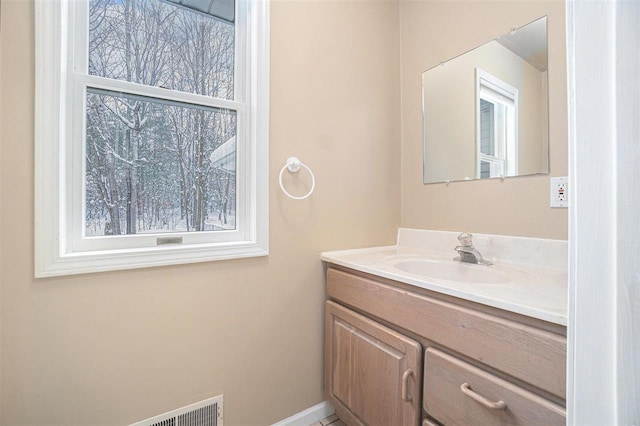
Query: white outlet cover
(559,192)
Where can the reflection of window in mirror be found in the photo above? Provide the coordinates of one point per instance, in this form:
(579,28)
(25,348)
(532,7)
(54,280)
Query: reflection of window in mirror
(497,127)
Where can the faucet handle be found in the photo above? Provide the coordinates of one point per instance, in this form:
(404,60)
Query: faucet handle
(465,239)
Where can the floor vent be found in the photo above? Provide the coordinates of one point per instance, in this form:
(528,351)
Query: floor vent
(203,413)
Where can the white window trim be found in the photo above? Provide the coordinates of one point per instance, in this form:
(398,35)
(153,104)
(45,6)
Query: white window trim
(496,165)
(509,94)
(53,255)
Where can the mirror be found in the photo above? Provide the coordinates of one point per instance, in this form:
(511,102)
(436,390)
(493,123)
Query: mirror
(485,112)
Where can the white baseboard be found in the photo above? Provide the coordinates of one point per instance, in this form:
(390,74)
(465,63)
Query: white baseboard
(308,416)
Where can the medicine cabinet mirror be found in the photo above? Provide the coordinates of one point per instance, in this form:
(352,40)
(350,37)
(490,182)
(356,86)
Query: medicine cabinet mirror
(485,112)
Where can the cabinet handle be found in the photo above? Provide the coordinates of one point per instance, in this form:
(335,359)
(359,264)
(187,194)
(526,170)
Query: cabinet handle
(405,385)
(466,389)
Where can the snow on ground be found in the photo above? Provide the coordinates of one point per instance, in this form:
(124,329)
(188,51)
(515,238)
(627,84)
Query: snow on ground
(95,227)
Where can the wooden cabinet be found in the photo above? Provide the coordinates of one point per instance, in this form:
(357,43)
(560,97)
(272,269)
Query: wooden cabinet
(375,326)
(373,374)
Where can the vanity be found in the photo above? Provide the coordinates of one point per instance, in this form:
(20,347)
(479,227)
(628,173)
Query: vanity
(413,337)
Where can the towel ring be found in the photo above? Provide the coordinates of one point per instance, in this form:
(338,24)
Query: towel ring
(293,165)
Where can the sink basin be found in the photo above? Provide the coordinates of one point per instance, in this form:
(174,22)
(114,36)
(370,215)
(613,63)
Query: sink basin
(453,271)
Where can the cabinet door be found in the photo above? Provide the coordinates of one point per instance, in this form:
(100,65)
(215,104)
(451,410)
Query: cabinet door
(372,373)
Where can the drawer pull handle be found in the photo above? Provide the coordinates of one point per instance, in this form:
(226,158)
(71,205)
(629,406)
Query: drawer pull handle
(405,385)
(466,389)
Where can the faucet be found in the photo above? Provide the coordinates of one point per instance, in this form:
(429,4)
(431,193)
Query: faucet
(467,252)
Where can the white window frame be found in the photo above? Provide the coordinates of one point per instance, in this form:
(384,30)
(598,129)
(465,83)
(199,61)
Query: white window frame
(491,88)
(61,81)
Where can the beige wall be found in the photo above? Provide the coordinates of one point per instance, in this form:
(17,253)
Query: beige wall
(114,348)
(435,31)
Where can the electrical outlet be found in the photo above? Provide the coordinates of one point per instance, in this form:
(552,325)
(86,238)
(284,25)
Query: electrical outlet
(559,192)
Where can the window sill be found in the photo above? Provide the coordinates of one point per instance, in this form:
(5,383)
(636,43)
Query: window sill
(104,261)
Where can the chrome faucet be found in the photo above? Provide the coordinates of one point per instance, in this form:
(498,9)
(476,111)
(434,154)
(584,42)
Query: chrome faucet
(467,252)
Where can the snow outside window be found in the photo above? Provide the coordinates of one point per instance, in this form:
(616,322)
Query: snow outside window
(151,134)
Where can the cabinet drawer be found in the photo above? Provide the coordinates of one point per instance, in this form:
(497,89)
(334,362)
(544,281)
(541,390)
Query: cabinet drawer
(530,354)
(486,399)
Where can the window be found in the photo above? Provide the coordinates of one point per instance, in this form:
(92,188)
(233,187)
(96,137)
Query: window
(151,133)
(497,127)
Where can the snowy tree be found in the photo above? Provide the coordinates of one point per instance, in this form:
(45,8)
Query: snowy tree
(147,159)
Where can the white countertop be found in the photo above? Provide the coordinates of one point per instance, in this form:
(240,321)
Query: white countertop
(536,289)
